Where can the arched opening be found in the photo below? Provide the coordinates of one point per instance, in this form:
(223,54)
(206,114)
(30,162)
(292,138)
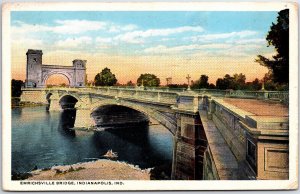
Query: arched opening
(118,116)
(68,102)
(137,141)
(57,80)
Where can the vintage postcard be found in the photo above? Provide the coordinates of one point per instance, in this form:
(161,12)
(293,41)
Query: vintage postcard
(150,96)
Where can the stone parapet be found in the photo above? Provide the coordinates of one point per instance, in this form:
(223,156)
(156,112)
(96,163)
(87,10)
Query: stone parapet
(258,143)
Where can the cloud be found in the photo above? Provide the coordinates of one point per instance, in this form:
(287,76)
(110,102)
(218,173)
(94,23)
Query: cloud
(77,26)
(27,42)
(103,40)
(249,41)
(61,27)
(119,28)
(24,29)
(137,37)
(210,37)
(206,50)
(74,42)
(69,27)
(162,49)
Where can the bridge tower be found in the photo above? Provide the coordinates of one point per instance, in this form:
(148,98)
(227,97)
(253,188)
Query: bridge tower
(34,68)
(80,72)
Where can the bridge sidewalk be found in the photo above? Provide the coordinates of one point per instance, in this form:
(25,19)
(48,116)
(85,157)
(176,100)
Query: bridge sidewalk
(223,159)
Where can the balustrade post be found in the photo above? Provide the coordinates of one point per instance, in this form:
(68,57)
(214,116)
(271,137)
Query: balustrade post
(211,108)
(119,93)
(266,95)
(136,93)
(201,102)
(158,96)
(196,103)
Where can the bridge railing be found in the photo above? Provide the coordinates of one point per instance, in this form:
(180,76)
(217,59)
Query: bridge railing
(169,94)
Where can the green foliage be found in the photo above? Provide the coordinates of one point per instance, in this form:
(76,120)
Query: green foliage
(177,86)
(225,83)
(271,85)
(237,82)
(129,83)
(49,86)
(278,37)
(105,78)
(149,80)
(62,85)
(16,86)
(254,85)
(201,83)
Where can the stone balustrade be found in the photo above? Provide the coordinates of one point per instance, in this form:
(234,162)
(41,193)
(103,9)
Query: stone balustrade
(151,93)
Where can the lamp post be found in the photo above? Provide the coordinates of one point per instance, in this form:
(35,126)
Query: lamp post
(188,78)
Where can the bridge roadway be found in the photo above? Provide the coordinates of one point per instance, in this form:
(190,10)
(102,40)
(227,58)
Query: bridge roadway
(217,134)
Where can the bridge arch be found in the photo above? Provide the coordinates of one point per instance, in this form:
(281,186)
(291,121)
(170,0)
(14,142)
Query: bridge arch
(67,101)
(151,113)
(57,101)
(72,95)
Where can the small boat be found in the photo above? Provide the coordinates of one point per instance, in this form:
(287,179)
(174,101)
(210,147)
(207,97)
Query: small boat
(110,154)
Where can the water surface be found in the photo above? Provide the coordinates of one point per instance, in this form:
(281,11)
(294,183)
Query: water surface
(41,138)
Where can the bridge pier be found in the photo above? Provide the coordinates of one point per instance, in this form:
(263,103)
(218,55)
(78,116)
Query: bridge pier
(83,119)
(54,102)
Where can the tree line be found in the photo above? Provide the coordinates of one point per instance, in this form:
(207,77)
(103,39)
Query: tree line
(234,82)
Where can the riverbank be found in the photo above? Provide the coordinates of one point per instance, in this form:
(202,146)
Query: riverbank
(16,102)
(100,169)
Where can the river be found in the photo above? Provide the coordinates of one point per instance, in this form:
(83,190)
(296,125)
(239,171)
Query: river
(43,139)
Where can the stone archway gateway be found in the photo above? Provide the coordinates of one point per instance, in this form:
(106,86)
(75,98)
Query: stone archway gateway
(38,73)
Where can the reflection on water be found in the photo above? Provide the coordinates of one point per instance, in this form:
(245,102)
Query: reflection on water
(43,139)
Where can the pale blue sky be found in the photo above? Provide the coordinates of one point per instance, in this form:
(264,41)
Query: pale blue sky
(189,35)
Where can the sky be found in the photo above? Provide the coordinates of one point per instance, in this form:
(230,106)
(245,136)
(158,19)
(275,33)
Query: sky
(167,44)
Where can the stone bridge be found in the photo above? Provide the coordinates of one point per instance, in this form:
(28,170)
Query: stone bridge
(214,138)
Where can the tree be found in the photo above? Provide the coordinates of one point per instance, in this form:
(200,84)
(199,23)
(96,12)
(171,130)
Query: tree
(201,83)
(105,78)
(239,81)
(16,86)
(254,85)
(149,80)
(225,83)
(211,86)
(220,84)
(278,36)
(129,83)
(178,85)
